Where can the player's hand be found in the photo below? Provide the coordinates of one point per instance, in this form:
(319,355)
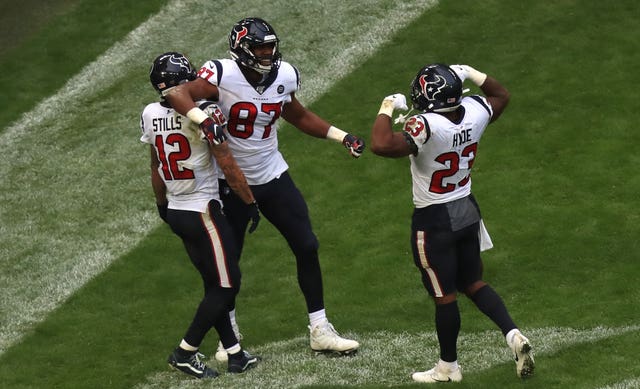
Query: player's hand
(461,70)
(467,72)
(389,103)
(398,101)
(254,216)
(162,211)
(354,144)
(213,132)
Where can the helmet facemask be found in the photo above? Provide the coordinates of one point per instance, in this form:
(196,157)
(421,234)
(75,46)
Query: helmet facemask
(246,36)
(261,64)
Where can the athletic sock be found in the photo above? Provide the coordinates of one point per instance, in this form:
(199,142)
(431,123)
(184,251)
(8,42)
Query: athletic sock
(317,317)
(447,328)
(490,303)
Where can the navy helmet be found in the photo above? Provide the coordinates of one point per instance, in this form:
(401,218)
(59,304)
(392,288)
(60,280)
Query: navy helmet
(436,88)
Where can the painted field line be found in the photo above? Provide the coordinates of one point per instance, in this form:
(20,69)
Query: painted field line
(632,383)
(384,359)
(74,176)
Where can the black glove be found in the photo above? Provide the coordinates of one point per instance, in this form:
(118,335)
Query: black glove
(162,210)
(354,144)
(213,131)
(254,215)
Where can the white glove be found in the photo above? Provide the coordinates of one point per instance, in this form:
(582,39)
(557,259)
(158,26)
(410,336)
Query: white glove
(467,72)
(395,101)
(461,71)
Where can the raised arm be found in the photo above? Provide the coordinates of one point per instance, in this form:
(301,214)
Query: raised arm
(496,94)
(384,141)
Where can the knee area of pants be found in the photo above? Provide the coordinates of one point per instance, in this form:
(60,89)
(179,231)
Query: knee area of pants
(308,248)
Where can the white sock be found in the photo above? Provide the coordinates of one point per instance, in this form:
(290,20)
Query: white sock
(234,349)
(186,346)
(317,317)
(449,365)
(510,335)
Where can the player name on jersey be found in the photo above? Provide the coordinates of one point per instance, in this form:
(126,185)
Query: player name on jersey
(462,137)
(167,123)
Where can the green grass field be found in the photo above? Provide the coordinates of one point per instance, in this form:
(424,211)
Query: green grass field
(96,291)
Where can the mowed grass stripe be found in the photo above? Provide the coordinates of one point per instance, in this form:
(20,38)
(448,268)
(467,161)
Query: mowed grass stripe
(88,200)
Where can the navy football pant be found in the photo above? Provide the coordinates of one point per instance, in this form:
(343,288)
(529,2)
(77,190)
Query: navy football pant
(282,204)
(208,239)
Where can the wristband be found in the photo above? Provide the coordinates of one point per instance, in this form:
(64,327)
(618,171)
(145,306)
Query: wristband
(197,115)
(335,134)
(476,77)
(386,108)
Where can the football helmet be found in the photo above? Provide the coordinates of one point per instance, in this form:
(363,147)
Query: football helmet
(249,33)
(436,88)
(170,69)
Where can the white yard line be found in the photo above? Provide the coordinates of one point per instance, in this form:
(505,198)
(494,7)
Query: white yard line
(632,383)
(79,199)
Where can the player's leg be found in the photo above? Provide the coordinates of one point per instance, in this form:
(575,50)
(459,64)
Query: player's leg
(287,210)
(489,301)
(208,241)
(434,256)
(237,216)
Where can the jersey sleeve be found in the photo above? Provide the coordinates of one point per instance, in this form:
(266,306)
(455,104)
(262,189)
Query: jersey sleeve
(417,129)
(211,71)
(298,81)
(144,122)
(289,77)
(481,103)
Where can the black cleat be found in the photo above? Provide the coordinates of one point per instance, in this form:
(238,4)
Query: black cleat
(243,362)
(191,365)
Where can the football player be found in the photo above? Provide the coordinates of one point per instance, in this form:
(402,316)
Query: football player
(447,232)
(254,88)
(185,183)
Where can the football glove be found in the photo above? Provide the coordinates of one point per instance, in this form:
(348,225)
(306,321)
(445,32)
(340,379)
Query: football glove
(354,144)
(254,216)
(162,211)
(467,72)
(395,101)
(212,131)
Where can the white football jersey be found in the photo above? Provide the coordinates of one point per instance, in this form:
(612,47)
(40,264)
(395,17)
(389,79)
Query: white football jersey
(186,165)
(441,170)
(252,115)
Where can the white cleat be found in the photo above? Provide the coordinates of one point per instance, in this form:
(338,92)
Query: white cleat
(323,338)
(522,352)
(221,352)
(440,373)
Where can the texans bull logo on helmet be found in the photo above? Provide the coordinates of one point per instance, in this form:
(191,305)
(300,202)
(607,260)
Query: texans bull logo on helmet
(237,36)
(181,61)
(431,88)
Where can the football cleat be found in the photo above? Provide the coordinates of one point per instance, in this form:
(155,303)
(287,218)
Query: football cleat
(323,338)
(242,362)
(440,373)
(191,365)
(523,355)
(221,352)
